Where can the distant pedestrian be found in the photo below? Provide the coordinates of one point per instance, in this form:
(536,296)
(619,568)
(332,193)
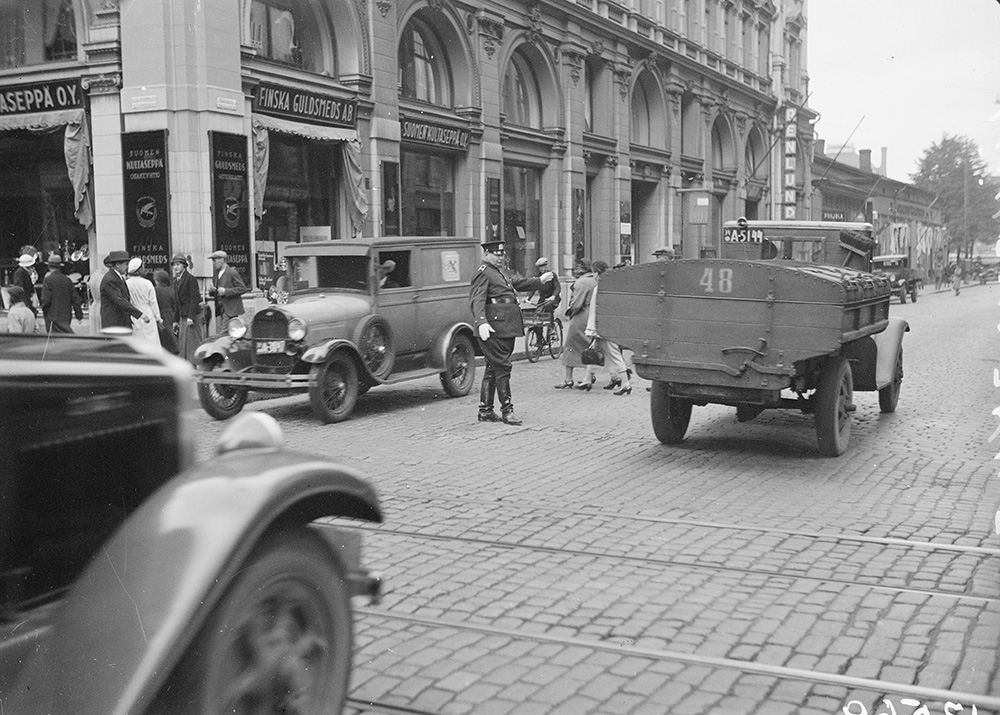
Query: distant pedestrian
(60,299)
(227,286)
(143,297)
(166,300)
(117,310)
(20,318)
(956,279)
(937,279)
(189,310)
(26,277)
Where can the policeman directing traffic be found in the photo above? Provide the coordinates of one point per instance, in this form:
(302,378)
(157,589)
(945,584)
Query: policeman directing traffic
(497,316)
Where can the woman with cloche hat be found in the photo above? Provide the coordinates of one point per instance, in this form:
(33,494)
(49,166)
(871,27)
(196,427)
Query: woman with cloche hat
(26,277)
(143,296)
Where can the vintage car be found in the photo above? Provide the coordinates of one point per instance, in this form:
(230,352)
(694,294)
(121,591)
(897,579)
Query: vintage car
(739,331)
(904,279)
(342,330)
(133,580)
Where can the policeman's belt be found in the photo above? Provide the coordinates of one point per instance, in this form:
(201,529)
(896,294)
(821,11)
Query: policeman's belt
(503,300)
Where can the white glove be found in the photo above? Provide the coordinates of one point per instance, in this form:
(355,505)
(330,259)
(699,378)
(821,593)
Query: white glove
(590,333)
(547,276)
(484,331)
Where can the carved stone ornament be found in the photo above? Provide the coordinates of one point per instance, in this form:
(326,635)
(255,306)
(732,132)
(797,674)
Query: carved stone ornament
(611,160)
(534,24)
(492,32)
(102,83)
(741,122)
(383,6)
(624,76)
(575,61)
(597,48)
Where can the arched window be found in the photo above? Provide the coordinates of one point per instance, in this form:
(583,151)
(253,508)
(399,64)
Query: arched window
(717,157)
(36,31)
(588,98)
(423,65)
(288,31)
(640,115)
(521,99)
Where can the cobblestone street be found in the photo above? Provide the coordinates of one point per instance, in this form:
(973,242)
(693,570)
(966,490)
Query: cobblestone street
(576,565)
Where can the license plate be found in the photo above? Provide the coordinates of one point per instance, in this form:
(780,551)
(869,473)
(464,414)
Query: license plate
(269,347)
(742,235)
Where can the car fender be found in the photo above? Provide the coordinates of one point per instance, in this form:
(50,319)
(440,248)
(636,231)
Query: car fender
(318,353)
(888,343)
(232,353)
(437,355)
(127,620)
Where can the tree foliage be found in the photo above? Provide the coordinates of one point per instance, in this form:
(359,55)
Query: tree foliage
(953,169)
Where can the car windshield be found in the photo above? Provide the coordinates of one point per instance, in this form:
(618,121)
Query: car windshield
(326,272)
(793,249)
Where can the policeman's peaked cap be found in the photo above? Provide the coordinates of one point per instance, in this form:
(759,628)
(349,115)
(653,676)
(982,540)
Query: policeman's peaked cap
(493,246)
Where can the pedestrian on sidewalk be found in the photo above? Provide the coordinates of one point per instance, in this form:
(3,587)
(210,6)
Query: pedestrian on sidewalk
(620,381)
(576,342)
(166,300)
(26,276)
(20,318)
(956,279)
(117,310)
(227,288)
(189,310)
(60,299)
(497,317)
(143,297)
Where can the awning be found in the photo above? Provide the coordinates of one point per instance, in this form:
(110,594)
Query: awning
(42,120)
(354,174)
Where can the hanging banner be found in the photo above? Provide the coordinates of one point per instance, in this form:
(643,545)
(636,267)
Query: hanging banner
(230,200)
(146,197)
(493,203)
(390,198)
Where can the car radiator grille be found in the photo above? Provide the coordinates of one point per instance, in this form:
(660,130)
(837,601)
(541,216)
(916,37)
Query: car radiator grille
(270,326)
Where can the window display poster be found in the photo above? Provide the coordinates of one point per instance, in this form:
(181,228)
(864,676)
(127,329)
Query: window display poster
(145,194)
(230,201)
(390,197)
(493,201)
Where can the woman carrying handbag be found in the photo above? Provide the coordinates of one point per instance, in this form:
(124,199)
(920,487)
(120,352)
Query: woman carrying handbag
(612,352)
(576,342)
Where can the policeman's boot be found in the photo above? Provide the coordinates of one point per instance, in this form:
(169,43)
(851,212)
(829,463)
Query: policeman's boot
(486,394)
(506,406)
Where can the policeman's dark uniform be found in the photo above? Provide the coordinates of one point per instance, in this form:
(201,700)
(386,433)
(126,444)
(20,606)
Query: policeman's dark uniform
(493,300)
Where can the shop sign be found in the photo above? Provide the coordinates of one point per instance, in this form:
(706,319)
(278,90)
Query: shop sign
(145,191)
(40,97)
(435,134)
(831,215)
(230,201)
(291,103)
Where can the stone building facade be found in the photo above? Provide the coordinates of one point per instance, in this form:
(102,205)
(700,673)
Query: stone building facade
(596,128)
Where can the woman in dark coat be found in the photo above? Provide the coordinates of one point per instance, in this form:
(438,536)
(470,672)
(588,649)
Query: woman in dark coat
(166,300)
(576,341)
(26,277)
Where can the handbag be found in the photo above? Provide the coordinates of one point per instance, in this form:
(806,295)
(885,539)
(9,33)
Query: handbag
(592,354)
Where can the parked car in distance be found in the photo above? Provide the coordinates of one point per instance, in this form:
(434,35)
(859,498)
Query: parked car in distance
(133,580)
(358,314)
(904,279)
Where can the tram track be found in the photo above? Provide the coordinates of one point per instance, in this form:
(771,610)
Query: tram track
(852,684)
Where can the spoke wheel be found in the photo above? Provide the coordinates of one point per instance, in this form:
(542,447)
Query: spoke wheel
(834,404)
(888,396)
(460,367)
(334,390)
(533,344)
(555,339)
(671,415)
(221,401)
(375,345)
(279,641)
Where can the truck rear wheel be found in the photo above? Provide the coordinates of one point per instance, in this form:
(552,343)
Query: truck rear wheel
(671,415)
(834,404)
(888,396)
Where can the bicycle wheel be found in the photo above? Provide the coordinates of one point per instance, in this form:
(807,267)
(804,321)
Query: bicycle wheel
(533,344)
(555,338)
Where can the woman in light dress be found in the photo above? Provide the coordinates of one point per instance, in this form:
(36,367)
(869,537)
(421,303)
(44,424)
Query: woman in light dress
(143,296)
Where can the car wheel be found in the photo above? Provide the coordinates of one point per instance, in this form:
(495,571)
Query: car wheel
(334,389)
(460,367)
(556,339)
(221,401)
(671,415)
(888,396)
(834,405)
(279,640)
(374,342)
(533,344)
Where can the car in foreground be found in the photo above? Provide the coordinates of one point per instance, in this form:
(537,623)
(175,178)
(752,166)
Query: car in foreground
(357,314)
(133,580)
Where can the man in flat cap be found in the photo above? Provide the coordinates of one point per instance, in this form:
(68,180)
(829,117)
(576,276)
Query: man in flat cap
(188,318)
(226,288)
(497,316)
(665,253)
(60,299)
(117,310)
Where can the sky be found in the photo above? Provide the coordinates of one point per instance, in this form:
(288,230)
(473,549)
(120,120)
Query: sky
(914,69)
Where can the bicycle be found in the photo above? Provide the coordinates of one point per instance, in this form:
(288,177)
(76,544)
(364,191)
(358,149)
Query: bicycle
(541,332)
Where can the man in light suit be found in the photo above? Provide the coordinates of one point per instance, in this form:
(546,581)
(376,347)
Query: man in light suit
(226,288)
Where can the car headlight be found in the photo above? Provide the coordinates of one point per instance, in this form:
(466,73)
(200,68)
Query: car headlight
(237,328)
(297,329)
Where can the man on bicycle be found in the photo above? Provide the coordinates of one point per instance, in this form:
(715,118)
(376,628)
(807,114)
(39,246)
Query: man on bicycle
(550,294)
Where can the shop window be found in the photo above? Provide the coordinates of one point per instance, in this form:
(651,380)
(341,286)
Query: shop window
(428,194)
(36,31)
(288,32)
(423,66)
(522,216)
(521,99)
